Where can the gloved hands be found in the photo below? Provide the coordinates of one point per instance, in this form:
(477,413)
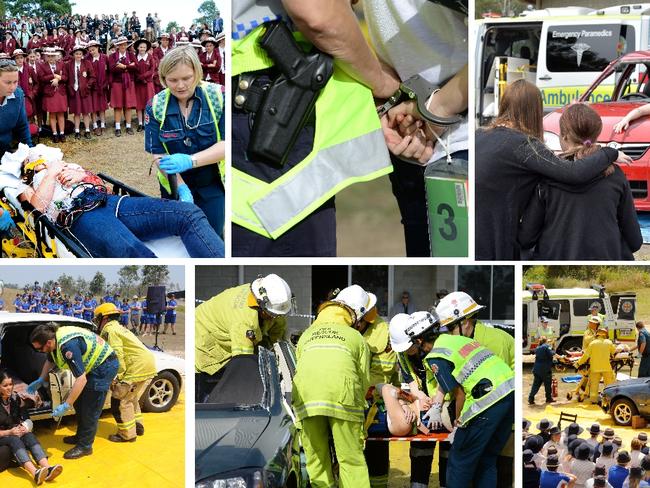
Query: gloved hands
(34,385)
(184,194)
(60,410)
(433,417)
(6,221)
(175,163)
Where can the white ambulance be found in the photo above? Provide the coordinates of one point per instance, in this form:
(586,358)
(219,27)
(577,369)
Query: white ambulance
(561,50)
(567,311)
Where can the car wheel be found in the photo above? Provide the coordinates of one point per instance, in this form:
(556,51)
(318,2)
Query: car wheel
(161,394)
(623,410)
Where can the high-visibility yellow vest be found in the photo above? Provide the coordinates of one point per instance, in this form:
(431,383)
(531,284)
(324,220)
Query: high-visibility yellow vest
(472,363)
(214,97)
(348,148)
(97,349)
(136,362)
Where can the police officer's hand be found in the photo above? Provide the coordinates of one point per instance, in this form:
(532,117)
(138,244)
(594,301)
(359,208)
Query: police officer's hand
(60,410)
(6,221)
(34,385)
(184,194)
(175,163)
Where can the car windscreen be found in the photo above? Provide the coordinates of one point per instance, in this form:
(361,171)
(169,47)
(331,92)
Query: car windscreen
(238,384)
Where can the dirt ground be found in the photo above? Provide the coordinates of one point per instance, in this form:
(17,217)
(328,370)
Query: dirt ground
(368,221)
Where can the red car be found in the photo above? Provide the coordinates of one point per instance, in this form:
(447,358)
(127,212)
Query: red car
(631,90)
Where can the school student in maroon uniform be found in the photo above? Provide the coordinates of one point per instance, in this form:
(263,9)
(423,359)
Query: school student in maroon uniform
(210,60)
(158,54)
(81,79)
(221,40)
(10,44)
(26,80)
(143,78)
(33,60)
(35,42)
(51,76)
(99,91)
(122,67)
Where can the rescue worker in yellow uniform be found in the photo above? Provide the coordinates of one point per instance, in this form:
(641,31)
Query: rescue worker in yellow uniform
(92,362)
(590,332)
(482,386)
(137,366)
(594,311)
(329,389)
(234,323)
(458,311)
(383,364)
(599,354)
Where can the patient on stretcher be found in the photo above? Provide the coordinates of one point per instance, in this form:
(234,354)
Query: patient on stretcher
(395,412)
(105,225)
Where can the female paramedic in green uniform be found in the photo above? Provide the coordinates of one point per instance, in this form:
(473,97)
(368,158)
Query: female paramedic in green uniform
(94,366)
(482,385)
(184,127)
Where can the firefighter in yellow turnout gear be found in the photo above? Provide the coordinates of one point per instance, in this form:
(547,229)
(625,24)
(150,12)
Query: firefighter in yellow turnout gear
(331,381)
(137,366)
(234,323)
(599,353)
(383,369)
(590,332)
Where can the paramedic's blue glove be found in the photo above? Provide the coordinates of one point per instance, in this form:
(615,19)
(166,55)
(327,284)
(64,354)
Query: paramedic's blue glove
(176,163)
(184,194)
(6,221)
(60,410)
(34,385)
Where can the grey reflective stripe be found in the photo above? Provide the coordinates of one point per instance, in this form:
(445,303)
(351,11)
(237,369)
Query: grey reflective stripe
(470,365)
(488,400)
(248,14)
(317,347)
(333,406)
(320,177)
(441,350)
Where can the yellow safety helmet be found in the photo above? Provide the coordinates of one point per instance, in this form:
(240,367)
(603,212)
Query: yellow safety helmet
(107,308)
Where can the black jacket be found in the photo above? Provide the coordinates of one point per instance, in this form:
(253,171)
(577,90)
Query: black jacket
(595,221)
(509,164)
(17,413)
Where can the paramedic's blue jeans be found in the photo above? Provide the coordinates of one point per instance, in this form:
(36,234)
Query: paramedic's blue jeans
(142,219)
(90,403)
(407,181)
(474,452)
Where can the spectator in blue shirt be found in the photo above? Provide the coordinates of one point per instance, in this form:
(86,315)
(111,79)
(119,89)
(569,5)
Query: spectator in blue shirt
(553,479)
(542,371)
(532,473)
(619,471)
(136,309)
(643,345)
(170,314)
(124,316)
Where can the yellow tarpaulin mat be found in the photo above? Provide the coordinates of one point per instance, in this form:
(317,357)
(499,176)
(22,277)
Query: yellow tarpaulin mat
(587,414)
(155,460)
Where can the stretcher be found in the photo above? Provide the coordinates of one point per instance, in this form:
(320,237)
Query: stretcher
(433,437)
(36,236)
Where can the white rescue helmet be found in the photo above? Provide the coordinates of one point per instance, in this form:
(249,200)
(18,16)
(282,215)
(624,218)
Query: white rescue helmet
(403,328)
(358,299)
(456,306)
(273,294)
(399,340)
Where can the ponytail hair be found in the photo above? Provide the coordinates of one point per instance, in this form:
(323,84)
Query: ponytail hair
(580,125)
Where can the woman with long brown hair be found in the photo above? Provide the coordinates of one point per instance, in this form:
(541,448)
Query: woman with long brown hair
(560,217)
(511,159)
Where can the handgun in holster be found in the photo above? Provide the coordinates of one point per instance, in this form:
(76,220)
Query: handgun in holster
(289,100)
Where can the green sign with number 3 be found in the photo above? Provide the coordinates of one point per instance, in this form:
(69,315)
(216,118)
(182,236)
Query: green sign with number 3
(447,209)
